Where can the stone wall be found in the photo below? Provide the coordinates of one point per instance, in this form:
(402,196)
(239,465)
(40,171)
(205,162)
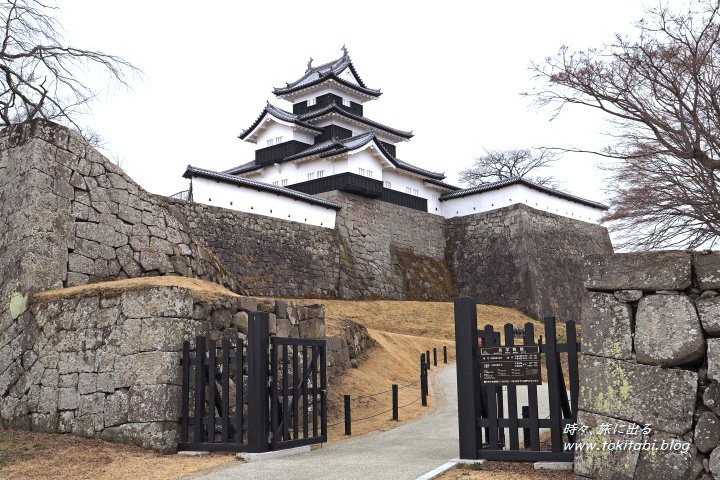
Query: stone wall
(272,257)
(388,251)
(377,250)
(523,258)
(345,344)
(651,356)
(69,217)
(104,361)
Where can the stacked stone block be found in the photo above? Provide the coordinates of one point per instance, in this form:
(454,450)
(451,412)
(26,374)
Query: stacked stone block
(523,258)
(105,362)
(651,356)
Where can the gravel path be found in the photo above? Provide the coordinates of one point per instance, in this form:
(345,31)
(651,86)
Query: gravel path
(405,452)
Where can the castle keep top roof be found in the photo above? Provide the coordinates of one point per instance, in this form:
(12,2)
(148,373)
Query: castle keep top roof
(326,71)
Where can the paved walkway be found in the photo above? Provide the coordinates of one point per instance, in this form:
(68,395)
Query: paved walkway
(406,452)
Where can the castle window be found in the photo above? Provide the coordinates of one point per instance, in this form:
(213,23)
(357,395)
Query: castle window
(278,140)
(320,173)
(284,183)
(369,174)
(415,192)
(386,184)
(311,102)
(408,190)
(346,102)
(270,142)
(361,171)
(276,183)
(311,176)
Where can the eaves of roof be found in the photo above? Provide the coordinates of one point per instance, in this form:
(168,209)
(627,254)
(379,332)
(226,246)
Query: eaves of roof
(336,147)
(442,184)
(334,108)
(299,85)
(281,115)
(519,180)
(191,172)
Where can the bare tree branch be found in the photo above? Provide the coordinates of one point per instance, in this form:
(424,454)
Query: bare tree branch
(42,77)
(498,165)
(659,93)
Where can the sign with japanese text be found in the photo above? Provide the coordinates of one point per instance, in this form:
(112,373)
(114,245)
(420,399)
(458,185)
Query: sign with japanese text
(518,365)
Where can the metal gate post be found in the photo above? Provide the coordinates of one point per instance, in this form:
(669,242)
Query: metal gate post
(257,365)
(468,377)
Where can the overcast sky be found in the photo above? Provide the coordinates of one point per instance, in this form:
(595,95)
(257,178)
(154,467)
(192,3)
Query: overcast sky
(452,72)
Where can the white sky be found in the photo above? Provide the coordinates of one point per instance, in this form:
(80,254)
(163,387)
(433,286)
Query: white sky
(452,72)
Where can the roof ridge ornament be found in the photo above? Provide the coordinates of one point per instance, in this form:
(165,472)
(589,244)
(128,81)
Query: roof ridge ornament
(309,65)
(345,51)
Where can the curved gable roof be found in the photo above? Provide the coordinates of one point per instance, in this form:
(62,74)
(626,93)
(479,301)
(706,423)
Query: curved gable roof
(326,71)
(280,114)
(335,108)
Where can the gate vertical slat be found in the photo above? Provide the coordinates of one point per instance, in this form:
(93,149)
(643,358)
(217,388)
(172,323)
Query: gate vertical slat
(199,428)
(286,412)
(185,405)
(211,367)
(512,395)
(573,367)
(532,396)
(225,385)
(274,394)
(468,377)
(239,390)
(553,384)
(305,365)
(492,399)
(323,394)
(315,355)
(296,394)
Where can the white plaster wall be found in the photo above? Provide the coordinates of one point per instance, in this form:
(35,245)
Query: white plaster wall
(510,195)
(400,181)
(366,160)
(302,136)
(273,131)
(297,171)
(249,200)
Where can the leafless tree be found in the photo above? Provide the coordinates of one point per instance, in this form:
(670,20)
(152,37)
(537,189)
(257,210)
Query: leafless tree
(661,94)
(40,76)
(498,165)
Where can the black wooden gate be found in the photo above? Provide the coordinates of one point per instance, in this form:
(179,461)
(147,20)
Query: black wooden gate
(298,397)
(482,421)
(227,393)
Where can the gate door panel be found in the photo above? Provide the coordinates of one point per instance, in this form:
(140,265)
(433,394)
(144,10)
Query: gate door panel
(298,397)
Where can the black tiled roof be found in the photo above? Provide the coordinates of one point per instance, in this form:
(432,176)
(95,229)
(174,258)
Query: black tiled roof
(335,147)
(244,182)
(519,180)
(442,184)
(282,115)
(315,75)
(335,108)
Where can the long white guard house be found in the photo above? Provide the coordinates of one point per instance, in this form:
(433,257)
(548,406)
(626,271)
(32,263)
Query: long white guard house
(327,143)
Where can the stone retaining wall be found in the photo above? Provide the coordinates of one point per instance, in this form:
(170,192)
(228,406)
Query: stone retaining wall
(104,362)
(523,258)
(651,357)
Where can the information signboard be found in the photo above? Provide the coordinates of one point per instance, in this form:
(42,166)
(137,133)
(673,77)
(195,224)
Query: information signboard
(519,365)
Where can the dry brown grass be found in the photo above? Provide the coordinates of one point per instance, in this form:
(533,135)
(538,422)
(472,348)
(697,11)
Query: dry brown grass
(421,319)
(203,289)
(37,456)
(505,471)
